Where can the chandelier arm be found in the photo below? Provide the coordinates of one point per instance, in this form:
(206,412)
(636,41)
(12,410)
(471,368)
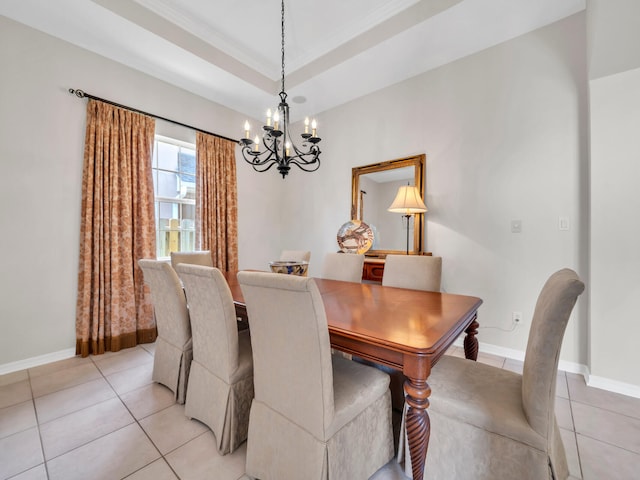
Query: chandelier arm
(295,148)
(307,166)
(259,168)
(306,143)
(259,159)
(312,158)
(272,146)
(267,163)
(304,166)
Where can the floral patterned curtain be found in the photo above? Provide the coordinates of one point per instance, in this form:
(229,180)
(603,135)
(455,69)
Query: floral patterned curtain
(113,310)
(217,200)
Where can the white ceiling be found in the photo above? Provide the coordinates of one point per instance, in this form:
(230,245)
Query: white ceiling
(228,51)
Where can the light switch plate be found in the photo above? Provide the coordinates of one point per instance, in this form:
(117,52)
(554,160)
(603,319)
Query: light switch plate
(563,223)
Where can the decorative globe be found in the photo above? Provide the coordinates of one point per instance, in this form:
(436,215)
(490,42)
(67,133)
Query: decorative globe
(290,267)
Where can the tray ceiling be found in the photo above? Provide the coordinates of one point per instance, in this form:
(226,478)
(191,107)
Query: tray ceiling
(228,51)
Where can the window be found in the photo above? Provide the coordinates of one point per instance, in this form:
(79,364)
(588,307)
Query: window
(174,187)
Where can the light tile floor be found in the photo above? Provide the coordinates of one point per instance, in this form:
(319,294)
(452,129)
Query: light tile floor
(103,418)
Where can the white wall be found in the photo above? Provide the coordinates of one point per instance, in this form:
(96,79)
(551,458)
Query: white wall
(41,155)
(614,72)
(613,36)
(505,134)
(615,224)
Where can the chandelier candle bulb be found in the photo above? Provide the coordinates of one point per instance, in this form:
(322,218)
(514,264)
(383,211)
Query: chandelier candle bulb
(314,125)
(306,125)
(269,118)
(276,119)
(256,146)
(247,129)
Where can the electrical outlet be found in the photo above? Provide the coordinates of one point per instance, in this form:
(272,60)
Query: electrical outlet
(516,226)
(516,317)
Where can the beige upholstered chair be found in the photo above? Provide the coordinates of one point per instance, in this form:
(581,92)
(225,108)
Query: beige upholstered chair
(489,423)
(343,266)
(295,255)
(417,272)
(221,378)
(174,351)
(314,415)
(202,257)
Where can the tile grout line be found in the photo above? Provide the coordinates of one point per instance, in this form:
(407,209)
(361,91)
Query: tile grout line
(604,409)
(132,416)
(62,390)
(163,456)
(37,425)
(35,413)
(116,395)
(573,425)
(609,444)
(139,425)
(46,461)
(597,407)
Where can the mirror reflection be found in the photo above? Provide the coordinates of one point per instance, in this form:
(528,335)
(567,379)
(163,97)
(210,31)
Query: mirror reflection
(374,188)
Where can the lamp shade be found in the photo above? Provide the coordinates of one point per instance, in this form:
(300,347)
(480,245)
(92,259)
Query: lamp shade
(408,201)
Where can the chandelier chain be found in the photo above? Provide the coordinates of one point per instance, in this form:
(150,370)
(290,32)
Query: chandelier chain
(282,44)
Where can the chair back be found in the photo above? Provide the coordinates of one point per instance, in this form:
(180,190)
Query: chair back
(552,312)
(416,272)
(202,257)
(169,303)
(213,318)
(295,255)
(292,369)
(343,266)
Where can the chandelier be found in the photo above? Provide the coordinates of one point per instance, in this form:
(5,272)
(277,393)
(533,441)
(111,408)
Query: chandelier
(278,148)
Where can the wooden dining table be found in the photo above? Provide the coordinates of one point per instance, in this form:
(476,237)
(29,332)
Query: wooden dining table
(407,330)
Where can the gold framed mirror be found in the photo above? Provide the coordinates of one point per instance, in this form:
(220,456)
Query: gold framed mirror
(373,189)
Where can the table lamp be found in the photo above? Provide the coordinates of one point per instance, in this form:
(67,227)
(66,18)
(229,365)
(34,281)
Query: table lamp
(408,202)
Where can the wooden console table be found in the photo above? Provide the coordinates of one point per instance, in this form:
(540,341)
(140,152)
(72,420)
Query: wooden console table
(373,269)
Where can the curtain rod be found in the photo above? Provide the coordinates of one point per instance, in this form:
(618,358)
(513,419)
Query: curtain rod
(81,94)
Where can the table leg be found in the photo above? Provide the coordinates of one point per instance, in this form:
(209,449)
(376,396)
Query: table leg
(417,424)
(470,340)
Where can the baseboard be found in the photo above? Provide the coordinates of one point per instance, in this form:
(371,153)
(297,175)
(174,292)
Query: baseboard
(37,361)
(571,367)
(615,386)
(501,351)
